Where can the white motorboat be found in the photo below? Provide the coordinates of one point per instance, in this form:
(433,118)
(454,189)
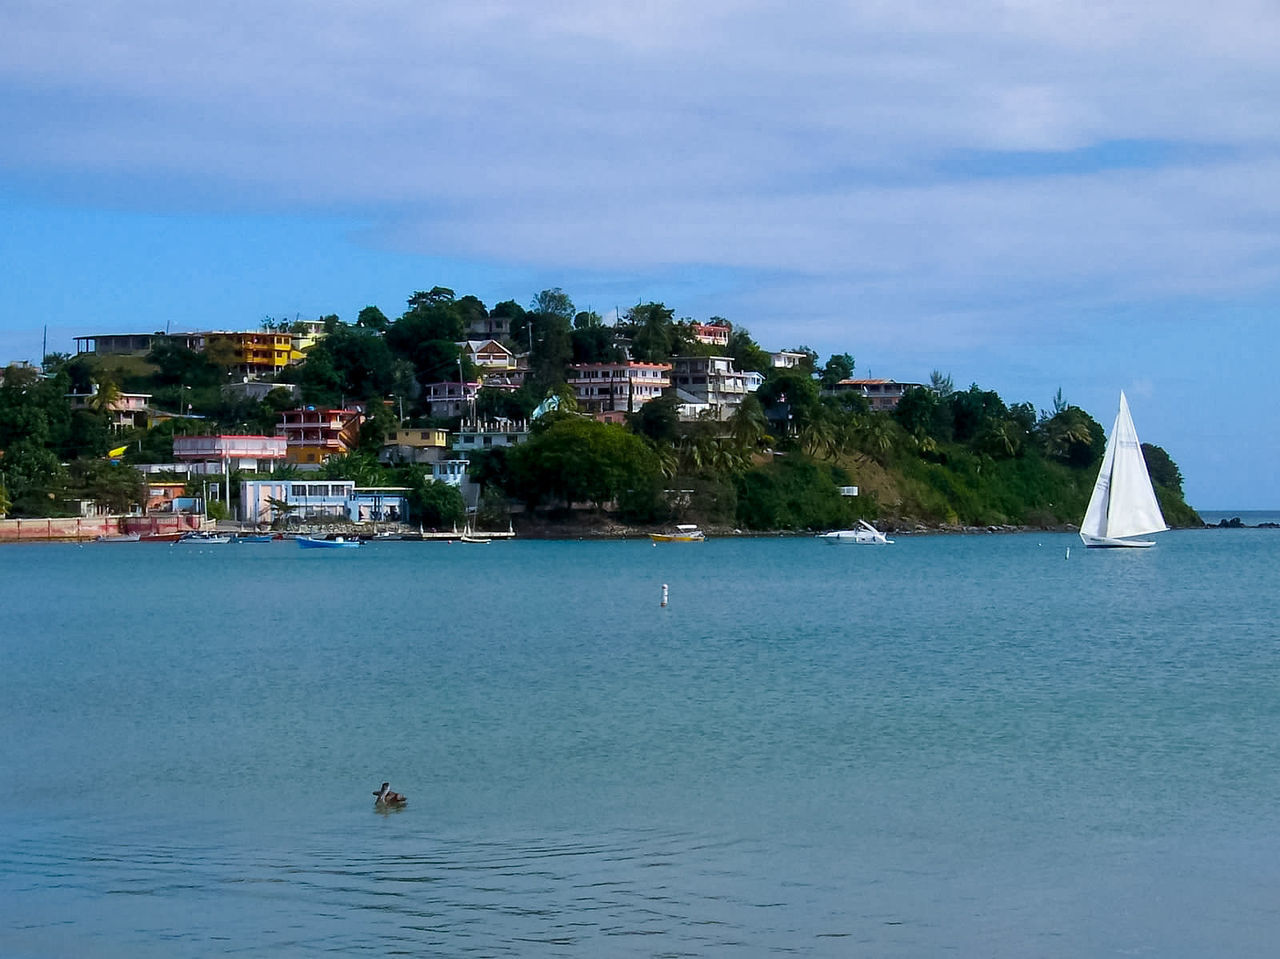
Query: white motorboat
(864,535)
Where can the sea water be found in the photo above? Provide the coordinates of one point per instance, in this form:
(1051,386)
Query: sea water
(997,745)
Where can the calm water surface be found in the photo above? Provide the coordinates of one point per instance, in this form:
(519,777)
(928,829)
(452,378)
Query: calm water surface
(969,745)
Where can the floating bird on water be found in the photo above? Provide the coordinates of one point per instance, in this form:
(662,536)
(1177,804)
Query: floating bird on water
(385,797)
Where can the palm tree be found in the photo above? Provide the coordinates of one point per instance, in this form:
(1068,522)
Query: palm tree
(668,461)
(282,511)
(875,436)
(818,437)
(105,396)
(748,425)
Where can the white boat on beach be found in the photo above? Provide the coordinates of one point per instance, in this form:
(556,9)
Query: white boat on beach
(1123,503)
(864,535)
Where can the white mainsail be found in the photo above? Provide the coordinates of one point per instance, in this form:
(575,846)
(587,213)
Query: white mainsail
(1123,502)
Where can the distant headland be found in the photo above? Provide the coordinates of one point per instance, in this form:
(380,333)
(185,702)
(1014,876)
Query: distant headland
(538,418)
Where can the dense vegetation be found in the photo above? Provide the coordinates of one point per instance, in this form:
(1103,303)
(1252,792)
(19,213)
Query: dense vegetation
(944,456)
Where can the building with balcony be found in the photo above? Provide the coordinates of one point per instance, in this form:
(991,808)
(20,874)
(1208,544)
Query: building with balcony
(254,354)
(218,454)
(126,411)
(489,355)
(489,435)
(305,334)
(711,380)
(882,395)
(787,360)
(313,434)
(447,400)
(601,387)
(713,334)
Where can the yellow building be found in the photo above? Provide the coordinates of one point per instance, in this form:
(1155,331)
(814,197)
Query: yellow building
(417,445)
(255,354)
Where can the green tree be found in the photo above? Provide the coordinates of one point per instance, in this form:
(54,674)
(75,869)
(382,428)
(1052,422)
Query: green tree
(36,481)
(359,466)
(550,323)
(437,505)
(747,354)
(973,410)
(941,383)
(1072,437)
(118,487)
(1161,468)
(748,426)
(659,419)
(838,367)
(579,460)
(372,318)
(790,398)
(595,344)
(652,332)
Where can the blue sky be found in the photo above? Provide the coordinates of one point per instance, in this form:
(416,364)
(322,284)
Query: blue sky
(1027,195)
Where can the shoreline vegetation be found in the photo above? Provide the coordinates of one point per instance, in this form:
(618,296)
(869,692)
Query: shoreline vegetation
(804,451)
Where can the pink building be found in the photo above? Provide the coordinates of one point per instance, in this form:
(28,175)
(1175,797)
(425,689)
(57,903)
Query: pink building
(713,334)
(599,387)
(126,411)
(229,452)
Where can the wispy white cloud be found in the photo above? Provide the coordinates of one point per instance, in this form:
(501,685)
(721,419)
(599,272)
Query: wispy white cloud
(810,144)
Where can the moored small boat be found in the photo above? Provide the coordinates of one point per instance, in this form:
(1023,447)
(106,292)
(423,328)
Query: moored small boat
(120,538)
(683,533)
(208,539)
(306,542)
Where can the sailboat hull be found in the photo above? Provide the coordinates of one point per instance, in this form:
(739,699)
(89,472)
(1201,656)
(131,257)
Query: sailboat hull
(1101,542)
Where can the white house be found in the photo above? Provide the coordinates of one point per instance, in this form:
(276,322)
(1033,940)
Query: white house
(312,500)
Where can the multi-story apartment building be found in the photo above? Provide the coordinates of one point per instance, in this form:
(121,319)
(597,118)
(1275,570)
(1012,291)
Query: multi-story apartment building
(603,387)
(449,399)
(313,434)
(711,380)
(254,354)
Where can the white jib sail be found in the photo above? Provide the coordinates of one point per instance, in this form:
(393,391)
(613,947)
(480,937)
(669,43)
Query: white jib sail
(1123,502)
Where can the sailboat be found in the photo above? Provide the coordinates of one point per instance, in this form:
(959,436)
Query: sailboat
(1123,503)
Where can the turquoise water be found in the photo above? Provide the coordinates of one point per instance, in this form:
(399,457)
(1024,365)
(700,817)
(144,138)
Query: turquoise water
(969,745)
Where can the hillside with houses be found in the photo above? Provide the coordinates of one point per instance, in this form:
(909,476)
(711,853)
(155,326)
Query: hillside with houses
(539,419)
